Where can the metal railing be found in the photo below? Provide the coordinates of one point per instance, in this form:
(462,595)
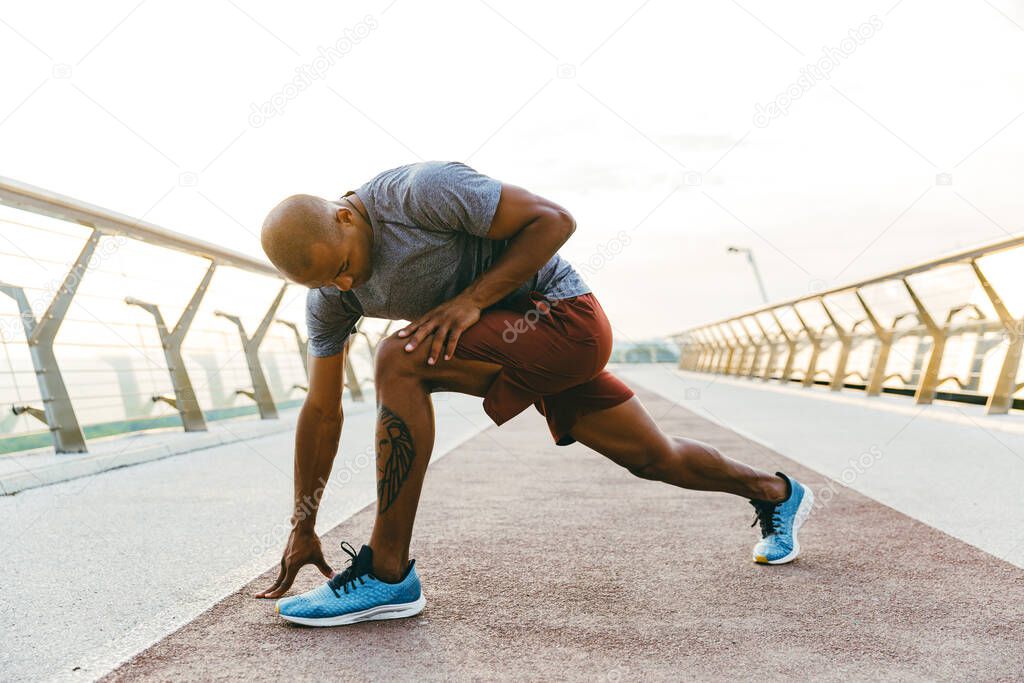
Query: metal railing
(937,329)
(56,405)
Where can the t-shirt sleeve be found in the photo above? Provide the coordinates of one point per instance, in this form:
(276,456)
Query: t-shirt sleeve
(451,196)
(329,322)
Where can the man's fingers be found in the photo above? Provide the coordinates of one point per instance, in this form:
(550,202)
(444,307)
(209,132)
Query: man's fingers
(422,332)
(407,330)
(453,341)
(437,345)
(277,592)
(277,582)
(265,593)
(289,578)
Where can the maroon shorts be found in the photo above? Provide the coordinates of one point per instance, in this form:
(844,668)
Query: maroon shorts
(552,355)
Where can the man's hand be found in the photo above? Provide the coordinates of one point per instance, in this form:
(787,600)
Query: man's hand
(446,322)
(303,548)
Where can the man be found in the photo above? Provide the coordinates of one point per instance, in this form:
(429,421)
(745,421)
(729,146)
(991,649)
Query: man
(496,313)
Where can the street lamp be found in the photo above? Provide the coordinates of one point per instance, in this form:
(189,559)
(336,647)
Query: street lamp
(753,266)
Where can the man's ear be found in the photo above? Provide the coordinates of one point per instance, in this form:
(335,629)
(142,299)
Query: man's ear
(343,215)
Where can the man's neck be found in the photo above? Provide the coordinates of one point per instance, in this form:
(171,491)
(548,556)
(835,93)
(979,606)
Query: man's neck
(352,199)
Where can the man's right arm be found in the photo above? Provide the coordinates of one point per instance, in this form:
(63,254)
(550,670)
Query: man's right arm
(317,435)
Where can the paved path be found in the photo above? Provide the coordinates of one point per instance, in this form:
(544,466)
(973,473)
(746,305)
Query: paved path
(551,563)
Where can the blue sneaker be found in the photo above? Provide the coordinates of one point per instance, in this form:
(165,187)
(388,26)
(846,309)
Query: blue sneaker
(356,595)
(780,523)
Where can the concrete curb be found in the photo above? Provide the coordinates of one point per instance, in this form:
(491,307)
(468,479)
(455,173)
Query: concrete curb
(54,469)
(77,466)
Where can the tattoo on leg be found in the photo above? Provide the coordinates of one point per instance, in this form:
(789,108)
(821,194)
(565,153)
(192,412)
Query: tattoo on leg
(395,450)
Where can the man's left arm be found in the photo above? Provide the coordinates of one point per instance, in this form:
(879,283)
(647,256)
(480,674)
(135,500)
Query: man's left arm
(536,228)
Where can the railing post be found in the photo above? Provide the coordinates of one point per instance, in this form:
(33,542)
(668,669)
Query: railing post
(740,355)
(930,378)
(743,347)
(696,351)
(756,346)
(688,360)
(1001,399)
(58,411)
(877,374)
(688,350)
(371,343)
(844,348)
(185,401)
(787,369)
(707,350)
(702,351)
(710,351)
(707,363)
(303,344)
(251,345)
(350,373)
(772,350)
(815,342)
(981,346)
(722,350)
(730,350)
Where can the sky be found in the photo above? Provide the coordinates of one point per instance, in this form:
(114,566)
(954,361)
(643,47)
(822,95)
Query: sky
(836,140)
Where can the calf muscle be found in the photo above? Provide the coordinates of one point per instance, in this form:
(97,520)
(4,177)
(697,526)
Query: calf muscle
(395,455)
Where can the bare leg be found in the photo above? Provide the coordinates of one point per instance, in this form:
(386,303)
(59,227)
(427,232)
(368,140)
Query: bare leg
(405,439)
(627,435)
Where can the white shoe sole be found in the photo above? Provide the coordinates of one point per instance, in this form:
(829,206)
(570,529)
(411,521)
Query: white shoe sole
(396,611)
(802,513)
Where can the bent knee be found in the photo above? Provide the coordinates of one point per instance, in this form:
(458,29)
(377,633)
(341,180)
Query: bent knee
(391,360)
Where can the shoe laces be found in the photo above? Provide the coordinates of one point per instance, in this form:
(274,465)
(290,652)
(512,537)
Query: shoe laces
(767,513)
(346,580)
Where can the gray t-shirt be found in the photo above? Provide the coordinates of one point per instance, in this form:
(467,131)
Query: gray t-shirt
(429,224)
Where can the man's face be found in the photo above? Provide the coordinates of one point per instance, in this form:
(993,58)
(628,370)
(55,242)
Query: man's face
(344,264)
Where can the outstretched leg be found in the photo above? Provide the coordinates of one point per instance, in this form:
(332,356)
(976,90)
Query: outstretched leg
(627,435)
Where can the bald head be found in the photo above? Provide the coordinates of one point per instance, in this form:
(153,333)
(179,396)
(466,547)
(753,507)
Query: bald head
(293,227)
